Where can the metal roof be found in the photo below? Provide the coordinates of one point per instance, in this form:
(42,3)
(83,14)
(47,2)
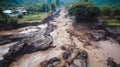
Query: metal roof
(7,11)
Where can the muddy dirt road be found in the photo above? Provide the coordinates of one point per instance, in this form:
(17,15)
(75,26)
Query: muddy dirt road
(68,44)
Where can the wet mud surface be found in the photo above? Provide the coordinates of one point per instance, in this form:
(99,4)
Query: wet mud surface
(60,43)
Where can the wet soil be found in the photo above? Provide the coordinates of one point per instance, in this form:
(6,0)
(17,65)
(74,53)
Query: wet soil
(74,45)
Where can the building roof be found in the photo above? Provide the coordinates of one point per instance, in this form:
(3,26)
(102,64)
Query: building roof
(7,11)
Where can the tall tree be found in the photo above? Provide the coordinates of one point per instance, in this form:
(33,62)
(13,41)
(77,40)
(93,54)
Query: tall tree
(53,6)
(58,2)
(86,0)
(49,1)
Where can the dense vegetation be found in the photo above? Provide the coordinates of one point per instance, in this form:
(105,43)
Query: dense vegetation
(6,20)
(110,14)
(84,11)
(39,5)
(34,7)
(7,3)
(37,17)
(112,11)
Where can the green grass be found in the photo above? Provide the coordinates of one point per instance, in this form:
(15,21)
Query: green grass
(33,18)
(113,23)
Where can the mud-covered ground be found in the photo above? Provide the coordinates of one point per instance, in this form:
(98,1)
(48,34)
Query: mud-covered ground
(61,43)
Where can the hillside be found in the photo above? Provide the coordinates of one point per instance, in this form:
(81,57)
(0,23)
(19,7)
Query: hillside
(7,3)
(58,42)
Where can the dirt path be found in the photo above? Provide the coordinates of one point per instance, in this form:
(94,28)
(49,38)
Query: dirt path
(62,36)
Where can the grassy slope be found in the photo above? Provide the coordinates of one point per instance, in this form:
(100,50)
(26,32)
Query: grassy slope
(113,23)
(33,18)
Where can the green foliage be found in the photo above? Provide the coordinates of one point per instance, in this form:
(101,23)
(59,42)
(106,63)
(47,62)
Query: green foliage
(112,22)
(84,11)
(58,2)
(84,0)
(12,20)
(106,10)
(117,17)
(13,3)
(49,1)
(115,11)
(111,11)
(4,19)
(39,7)
(53,6)
(46,7)
(37,17)
(20,16)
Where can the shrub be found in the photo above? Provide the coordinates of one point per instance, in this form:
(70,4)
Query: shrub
(115,11)
(84,11)
(106,10)
(117,17)
(13,21)
(3,17)
(20,16)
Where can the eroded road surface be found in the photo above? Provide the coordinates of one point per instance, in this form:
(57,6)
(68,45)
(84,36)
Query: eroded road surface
(65,45)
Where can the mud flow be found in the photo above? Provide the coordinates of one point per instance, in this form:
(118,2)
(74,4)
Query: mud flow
(59,43)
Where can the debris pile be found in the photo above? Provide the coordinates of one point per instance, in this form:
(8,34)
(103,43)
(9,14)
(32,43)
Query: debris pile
(71,57)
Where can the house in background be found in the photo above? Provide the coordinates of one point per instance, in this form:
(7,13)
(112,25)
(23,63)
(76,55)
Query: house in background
(8,12)
(21,10)
(16,12)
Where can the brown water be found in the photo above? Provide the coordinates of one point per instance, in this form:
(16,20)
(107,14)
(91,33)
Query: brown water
(97,56)
(15,31)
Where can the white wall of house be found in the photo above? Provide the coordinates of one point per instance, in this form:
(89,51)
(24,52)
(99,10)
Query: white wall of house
(20,10)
